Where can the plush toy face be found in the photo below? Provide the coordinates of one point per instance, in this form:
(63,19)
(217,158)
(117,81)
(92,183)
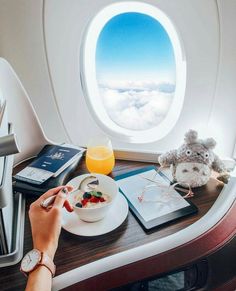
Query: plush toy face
(195,153)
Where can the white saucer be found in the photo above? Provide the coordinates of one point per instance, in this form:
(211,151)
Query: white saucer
(114,218)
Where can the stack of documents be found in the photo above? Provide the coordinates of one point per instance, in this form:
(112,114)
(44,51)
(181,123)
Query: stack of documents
(50,164)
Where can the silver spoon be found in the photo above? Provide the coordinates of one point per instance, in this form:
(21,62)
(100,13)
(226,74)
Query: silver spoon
(88,184)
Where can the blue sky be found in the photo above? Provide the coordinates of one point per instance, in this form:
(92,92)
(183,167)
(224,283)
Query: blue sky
(134,46)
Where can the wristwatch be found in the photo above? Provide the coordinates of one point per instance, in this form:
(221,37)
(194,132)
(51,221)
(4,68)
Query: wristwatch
(34,259)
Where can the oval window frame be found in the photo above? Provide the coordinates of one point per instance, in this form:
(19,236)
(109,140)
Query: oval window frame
(90,85)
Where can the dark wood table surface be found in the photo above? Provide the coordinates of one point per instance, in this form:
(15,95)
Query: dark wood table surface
(75,251)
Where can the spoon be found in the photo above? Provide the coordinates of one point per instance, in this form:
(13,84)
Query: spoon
(88,184)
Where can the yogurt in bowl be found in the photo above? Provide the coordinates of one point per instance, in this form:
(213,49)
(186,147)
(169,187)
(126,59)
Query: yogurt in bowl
(91,206)
(92,199)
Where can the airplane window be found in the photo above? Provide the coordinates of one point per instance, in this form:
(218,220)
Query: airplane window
(133,71)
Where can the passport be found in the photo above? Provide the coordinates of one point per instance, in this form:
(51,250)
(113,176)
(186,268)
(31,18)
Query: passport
(50,163)
(32,189)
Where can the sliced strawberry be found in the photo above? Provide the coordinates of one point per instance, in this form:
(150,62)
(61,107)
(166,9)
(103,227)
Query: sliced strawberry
(102,199)
(94,199)
(84,201)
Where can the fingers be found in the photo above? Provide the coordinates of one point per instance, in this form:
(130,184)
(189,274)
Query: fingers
(69,188)
(54,191)
(61,198)
(51,192)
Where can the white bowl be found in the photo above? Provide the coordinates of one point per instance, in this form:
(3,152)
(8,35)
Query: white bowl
(106,185)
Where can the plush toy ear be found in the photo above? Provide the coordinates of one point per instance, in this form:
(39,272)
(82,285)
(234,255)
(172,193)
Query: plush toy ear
(209,143)
(190,137)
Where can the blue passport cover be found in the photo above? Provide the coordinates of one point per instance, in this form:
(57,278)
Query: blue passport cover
(53,159)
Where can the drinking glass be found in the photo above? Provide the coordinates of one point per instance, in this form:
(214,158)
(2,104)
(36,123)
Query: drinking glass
(99,156)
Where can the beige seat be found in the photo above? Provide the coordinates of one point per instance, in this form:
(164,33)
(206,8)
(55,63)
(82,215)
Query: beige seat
(30,135)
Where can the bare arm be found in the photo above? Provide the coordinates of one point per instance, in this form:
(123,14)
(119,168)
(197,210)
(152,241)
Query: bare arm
(39,279)
(46,228)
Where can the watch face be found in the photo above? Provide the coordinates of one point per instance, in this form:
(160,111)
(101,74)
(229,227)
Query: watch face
(30,260)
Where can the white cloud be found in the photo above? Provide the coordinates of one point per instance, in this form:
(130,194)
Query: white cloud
(148,85)
(136,105)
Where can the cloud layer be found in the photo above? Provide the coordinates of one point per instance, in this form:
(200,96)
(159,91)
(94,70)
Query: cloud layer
(137,105)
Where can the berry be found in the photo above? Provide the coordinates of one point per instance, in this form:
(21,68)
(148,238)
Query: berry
(87,195)
(78,205)
(94,199)
(84,201)
(101,199)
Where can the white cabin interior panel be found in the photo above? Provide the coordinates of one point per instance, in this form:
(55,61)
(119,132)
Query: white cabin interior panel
(44,47)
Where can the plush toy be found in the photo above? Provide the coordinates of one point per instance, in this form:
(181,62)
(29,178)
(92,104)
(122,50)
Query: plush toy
(194,161)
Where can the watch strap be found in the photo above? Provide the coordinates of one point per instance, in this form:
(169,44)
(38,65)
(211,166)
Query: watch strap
(48,263)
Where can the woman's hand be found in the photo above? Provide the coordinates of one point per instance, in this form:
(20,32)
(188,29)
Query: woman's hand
(46,223)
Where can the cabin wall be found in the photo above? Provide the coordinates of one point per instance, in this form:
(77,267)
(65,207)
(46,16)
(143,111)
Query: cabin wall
(22,45)
(42,40)
(222,119)
(66,25)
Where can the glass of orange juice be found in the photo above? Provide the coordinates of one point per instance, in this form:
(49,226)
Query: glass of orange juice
(99,156)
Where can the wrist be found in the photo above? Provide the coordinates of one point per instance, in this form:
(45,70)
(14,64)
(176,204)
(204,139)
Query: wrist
(49,249)
(35,262)
(40,269)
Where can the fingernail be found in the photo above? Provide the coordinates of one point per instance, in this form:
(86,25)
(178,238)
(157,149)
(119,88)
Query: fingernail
(63,193)
(64,190)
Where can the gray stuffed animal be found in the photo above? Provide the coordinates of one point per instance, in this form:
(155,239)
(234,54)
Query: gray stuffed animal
(193,162)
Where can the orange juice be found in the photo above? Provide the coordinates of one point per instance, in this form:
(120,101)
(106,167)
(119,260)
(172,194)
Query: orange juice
(100,159)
